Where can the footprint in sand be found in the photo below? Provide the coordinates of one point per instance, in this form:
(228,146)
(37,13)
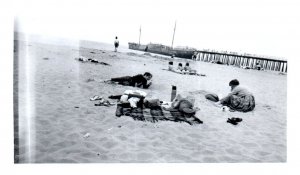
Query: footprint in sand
(144,156)
(267,107)
(110,144)
(209,160)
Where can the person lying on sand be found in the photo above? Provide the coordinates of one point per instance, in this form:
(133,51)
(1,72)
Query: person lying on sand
(240,99)
(141,81)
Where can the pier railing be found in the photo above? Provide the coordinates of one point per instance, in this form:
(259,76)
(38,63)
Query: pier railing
(248,61)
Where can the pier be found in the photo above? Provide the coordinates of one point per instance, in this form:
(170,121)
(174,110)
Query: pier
(238,60)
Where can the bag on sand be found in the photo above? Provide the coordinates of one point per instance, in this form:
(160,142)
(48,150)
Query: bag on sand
(212,97)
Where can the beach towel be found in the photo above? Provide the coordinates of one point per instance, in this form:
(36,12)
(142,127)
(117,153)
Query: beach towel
(155,113)
(127,110)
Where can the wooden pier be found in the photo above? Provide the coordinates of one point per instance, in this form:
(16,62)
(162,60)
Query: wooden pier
(243,60)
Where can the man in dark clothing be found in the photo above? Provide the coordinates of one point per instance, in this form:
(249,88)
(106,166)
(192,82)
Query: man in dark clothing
(141,81)
(116,43)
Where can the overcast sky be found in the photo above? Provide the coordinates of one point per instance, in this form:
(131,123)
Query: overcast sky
(253,26)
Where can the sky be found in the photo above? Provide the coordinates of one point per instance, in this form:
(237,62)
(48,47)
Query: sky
(261,27)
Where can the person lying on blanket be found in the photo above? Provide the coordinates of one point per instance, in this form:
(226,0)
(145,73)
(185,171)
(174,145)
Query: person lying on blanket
(141,81)
(239,99)
(186,107)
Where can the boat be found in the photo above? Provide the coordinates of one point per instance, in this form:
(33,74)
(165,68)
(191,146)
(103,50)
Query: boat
(136,46)
(181,52)
(163,50)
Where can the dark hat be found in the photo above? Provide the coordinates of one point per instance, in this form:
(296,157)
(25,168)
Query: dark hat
(234,82)
(171,63)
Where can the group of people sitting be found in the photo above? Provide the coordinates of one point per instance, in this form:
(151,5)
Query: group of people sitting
(183,69)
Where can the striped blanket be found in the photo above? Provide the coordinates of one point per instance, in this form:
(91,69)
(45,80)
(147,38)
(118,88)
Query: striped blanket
(155,114)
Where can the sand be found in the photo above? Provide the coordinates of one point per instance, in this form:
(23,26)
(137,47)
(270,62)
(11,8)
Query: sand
(55,111)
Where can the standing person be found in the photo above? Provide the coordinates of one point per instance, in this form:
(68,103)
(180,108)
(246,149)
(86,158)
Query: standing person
(116,44)
(258,66)
(194,57)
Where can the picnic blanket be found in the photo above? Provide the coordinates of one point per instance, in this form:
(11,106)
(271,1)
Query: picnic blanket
(154,114)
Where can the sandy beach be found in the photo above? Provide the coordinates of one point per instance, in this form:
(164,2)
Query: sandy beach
(55,111)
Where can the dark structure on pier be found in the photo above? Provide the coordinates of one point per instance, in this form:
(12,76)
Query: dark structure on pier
(249,61)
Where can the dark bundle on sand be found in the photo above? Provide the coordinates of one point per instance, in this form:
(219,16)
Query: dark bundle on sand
(84,60)
(212,97)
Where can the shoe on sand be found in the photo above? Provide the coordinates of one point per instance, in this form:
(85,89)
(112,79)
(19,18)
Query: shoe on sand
(96,97)
(236,119)
(232,121)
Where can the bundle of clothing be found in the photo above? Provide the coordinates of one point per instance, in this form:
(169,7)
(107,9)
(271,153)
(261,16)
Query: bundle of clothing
(91,60)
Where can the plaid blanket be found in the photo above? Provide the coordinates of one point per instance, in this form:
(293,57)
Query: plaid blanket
(155,114)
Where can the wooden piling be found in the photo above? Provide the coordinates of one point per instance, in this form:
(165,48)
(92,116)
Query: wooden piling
(243,60)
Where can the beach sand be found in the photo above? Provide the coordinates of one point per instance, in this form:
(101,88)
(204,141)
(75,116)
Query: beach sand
(53,93)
